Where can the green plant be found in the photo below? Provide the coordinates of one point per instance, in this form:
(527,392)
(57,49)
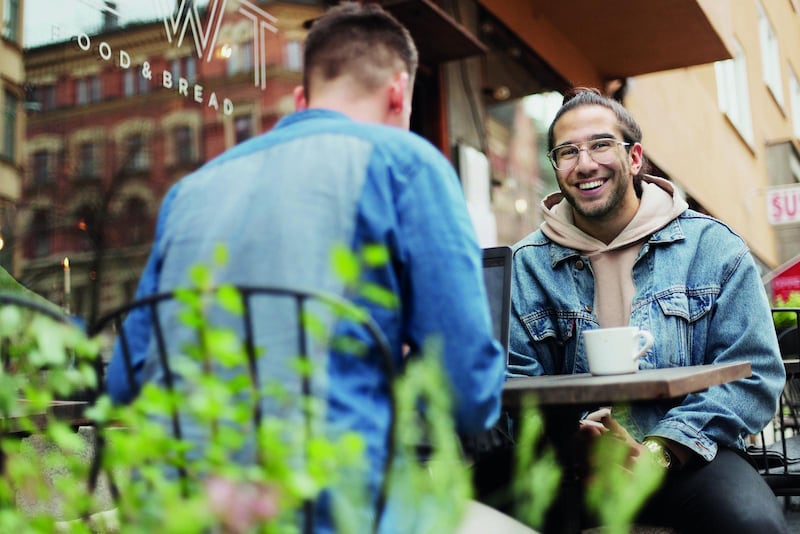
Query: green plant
(616,491)
(537,473)
(285,461)
(430,477)
(44,360)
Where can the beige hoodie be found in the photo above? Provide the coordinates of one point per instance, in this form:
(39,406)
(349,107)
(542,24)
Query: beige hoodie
(612,264)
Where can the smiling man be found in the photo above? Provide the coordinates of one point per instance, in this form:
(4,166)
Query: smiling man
(618,247)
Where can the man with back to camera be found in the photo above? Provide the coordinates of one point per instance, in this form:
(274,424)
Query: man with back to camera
(343,170)
(617,248)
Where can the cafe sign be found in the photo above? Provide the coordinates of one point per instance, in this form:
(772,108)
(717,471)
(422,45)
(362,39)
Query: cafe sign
(187,17)
(783,204)
(185,21)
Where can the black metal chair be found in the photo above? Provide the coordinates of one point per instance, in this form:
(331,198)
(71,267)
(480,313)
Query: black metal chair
(308,312)
(779,462)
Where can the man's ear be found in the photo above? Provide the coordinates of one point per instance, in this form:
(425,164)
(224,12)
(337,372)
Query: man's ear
(636,158)
(397,93)
(300,102)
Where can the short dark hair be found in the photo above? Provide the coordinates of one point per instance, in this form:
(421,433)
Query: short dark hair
(361,40)
(589,96)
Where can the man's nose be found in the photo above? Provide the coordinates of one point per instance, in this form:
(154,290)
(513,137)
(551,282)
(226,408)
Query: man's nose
(584,159)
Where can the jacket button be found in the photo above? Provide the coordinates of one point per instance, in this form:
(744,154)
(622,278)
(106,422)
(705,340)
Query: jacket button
(579,265)
(588,308)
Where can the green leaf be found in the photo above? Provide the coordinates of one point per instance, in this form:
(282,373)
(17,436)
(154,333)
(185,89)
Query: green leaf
(220,255)
(230,299)
(375,255)
(345,264)
(201,276)
(379,295)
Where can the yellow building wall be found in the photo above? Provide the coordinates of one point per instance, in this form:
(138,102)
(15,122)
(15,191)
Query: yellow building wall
(693,142)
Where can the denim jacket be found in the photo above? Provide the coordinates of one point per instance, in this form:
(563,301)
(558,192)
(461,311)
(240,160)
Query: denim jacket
(697,290)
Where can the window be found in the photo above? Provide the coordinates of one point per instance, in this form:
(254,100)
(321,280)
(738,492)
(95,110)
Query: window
(88,90)
(294,56)
(129,86)
(770,55)
(41,167)
(794,101)
(133,83)
(241,59)
(183,145)
(144,83)
(39,244)
(11,20)
(732,91)
(10,126)
(243,128)
(136,157)
(45,96)
(81,91)
(184,67)
(87,160)
(135,221)
(190,68)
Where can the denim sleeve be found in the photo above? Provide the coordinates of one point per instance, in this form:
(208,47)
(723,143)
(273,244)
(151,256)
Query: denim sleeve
(137,324)
(741,329)
(444,289)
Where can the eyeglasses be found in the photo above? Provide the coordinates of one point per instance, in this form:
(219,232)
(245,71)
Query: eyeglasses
(565,157)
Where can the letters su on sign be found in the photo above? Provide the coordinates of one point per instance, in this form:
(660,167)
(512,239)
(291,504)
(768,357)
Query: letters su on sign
(783,205)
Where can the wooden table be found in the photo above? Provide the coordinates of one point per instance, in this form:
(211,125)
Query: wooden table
(67,411)
(563,398)
(646,385)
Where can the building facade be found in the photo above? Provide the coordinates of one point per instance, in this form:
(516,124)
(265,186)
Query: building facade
(729,132)
(123,112)
(119,111)
(12,125)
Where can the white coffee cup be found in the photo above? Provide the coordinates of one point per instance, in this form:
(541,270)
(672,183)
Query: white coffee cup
(615,351)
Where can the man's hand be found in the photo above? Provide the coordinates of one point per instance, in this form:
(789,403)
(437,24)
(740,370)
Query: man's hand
(601,422)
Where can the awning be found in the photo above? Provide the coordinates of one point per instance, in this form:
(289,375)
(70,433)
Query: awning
(589,41)
(438,36)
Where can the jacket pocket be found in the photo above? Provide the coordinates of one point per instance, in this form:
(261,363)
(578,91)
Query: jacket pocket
(683,312)
(557,334)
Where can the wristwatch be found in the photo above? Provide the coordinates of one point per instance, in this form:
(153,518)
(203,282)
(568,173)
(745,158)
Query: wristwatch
(661,454)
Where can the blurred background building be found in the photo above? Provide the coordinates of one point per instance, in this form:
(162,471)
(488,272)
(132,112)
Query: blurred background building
(12,123)
(91,143)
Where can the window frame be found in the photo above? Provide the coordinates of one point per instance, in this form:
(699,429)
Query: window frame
(10,112)
(733,92)
(770,55)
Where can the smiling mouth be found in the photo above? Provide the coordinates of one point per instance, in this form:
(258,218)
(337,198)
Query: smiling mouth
(588,186)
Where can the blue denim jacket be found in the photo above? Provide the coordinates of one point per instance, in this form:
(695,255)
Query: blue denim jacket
(697,290)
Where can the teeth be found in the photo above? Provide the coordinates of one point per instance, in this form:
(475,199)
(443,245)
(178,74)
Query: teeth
(590,185)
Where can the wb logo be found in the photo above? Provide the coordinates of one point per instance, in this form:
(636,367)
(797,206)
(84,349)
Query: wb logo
(186,18)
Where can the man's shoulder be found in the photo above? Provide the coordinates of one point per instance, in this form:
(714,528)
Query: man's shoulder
(535,247)
(532,242)
(696,222)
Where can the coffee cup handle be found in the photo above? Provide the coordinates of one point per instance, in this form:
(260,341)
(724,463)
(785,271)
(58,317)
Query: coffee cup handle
(648,342)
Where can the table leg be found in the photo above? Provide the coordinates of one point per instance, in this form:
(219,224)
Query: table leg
(561,425)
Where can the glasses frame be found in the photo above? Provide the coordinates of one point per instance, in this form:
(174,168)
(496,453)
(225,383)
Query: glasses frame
(581,147)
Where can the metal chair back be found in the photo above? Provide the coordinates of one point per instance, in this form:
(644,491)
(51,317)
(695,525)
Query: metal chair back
(304,305)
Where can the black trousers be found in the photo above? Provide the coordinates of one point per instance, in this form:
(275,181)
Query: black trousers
(725,495)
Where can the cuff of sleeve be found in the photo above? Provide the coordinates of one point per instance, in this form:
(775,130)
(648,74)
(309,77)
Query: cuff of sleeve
(688,437)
